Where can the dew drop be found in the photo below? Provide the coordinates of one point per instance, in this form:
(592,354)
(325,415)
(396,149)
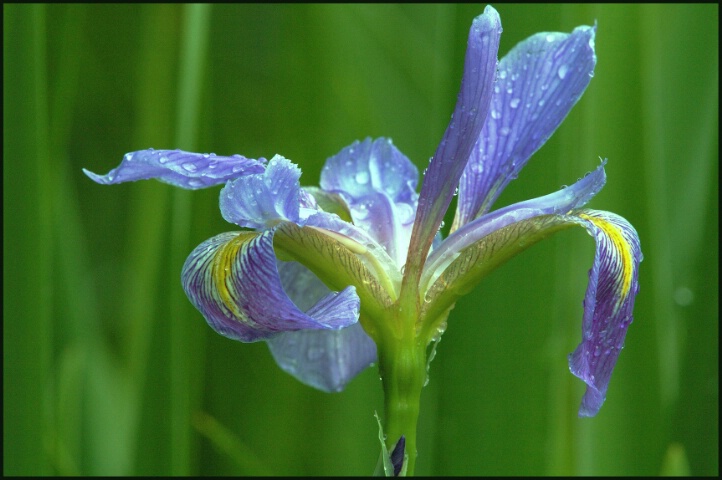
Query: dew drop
(562,72)
(502,74)
(361,212)
(163,160)
(129,157)
(495,114)
(505,131)
(189,167)
(514,102)
(362,178)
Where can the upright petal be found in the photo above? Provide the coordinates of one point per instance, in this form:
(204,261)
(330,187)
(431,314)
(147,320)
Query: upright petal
(608,304)
(233,280)
(179,168)
(378,183)
(264,199)
(442,176)
(538,83)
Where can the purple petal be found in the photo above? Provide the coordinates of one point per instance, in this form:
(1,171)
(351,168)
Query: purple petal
(324,359)
(264,199)
(233,280)
(608,303)
(538,83)
(472,106)
(560,202)
(378,183)
(179,168)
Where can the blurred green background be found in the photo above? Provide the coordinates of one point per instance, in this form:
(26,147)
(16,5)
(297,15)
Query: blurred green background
(108,369)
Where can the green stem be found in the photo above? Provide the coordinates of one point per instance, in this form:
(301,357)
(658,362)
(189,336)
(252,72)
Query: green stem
(402,364)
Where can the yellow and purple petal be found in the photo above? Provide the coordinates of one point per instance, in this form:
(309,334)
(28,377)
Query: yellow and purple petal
(538,83)
(233,280)
(608,303)
(179,168)
(480,246)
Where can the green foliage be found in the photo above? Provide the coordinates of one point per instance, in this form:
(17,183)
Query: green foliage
(108,369)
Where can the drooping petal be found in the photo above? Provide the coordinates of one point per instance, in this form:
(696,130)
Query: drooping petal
(442,176)
(608,304)
(233,280)
(179,168)
(560,202)
(538,83)
(324,359)
(378,183)
(264,199)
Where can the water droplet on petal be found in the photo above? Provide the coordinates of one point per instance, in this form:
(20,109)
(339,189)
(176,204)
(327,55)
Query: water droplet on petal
(163,160)
(502,74)
(189,167)
(562,72)
(514,102)
(495,114)
(505,131)
(362,177)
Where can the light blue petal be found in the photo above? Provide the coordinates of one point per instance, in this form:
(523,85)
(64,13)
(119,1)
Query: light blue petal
(442,177)
(324,359)
(538,83)
(264,199)
(608,303)
(233,280)
(179,168)
(378,183)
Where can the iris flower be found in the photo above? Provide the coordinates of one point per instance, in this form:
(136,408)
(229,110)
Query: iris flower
(354,272)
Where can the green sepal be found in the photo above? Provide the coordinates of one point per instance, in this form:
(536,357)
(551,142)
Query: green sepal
(482,257)
(335,259)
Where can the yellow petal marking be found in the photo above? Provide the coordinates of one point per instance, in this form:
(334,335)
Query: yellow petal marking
(222,268)
(623,249)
